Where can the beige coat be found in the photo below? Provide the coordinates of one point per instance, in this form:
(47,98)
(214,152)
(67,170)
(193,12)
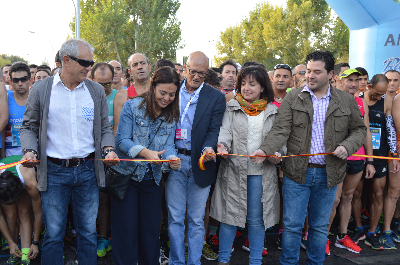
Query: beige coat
(229,200)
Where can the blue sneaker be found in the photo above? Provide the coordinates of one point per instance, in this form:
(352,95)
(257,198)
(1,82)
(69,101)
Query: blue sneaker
(387,241)
(103,246)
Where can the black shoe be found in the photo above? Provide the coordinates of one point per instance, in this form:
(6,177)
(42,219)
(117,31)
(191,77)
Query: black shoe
(279,242)
(357,235)
(213,243)
(373,242)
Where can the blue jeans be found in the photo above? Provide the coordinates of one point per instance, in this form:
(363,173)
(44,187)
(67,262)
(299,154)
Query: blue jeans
(79,185)
(181,193)
(315,194)
(255,224)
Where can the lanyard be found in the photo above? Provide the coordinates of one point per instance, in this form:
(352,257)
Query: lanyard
(194,97)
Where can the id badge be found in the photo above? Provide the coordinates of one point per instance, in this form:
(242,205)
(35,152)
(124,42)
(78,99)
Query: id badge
(181,134)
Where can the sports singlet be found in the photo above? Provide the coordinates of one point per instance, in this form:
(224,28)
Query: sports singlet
(377,126)
(110,102)
(15,116)
(361,151)
(131,92)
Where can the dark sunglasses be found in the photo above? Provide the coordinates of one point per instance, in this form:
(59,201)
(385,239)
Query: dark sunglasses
(82,62)
(300,72)
(106,85)
(282,66)
(22,79)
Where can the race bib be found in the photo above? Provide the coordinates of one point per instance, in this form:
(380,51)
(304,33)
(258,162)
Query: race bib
(376,137)
(15,129)
(181,134)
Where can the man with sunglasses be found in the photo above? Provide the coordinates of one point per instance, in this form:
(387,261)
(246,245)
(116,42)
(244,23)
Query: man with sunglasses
(66,126)
(281,81)
(299,73)
(20,82)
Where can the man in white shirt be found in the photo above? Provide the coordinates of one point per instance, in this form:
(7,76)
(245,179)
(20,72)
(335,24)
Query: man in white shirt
(66,126)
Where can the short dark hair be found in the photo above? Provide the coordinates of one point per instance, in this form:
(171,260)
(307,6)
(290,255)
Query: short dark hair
(57,58)
(163,75)
(11,187)
(362,70)
(228,62)
(44,66)
(102,66)
(5,66)
(126,73)
(164,62)
(261,76)
(54,70)
(338,67)
(376,79)
(19,67)
(392,71)
(323,56)
(33,66)
(178,64)
(43,70)
(212,78)
(250,63)
(216,69)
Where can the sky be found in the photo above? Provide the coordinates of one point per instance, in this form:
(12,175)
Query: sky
(35,30)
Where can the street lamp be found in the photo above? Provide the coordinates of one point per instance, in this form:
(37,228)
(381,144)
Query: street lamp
(77,19)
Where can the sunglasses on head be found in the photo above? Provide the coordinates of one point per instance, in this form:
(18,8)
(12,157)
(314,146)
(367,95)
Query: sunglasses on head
(300,72)
(106,85)
(22,79)
(82,62)
(282,66)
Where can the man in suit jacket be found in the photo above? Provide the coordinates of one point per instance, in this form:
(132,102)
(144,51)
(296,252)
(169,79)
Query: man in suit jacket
(201,111)
(66,126)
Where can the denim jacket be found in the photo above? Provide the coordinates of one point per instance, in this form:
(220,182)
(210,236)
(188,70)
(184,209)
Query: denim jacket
(134,133)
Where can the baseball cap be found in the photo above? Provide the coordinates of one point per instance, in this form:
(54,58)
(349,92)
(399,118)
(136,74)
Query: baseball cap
(349,72)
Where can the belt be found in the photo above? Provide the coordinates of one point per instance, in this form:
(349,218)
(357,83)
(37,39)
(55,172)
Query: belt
(185,152)
(311,165)
(73,162)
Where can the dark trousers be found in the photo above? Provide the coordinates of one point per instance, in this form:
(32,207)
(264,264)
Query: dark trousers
(135,224)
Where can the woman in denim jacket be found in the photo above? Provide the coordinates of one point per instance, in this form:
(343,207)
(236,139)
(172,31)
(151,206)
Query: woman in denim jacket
(146,130)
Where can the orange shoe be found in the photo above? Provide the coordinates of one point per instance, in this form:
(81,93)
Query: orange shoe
(348,244)
(328,251)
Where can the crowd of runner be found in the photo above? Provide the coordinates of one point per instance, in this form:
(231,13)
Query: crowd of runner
(82,123)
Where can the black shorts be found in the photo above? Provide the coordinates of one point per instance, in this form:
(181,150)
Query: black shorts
(355,166)
(380,172)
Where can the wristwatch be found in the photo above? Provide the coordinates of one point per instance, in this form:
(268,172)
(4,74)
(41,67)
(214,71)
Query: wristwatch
(109,151)
(31,150)
(37,243)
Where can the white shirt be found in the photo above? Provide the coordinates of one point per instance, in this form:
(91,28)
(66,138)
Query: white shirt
(70,121)
(254,140)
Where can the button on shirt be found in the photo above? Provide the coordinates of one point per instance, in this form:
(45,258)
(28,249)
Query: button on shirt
(70,121)
(317,137)
(187,114)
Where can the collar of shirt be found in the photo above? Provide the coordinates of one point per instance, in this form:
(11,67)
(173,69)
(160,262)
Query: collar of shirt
(327,95)
(183,94)
(184,90)
(57,80)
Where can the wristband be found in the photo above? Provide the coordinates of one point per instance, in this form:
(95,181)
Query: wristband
(369,162)
(37,243)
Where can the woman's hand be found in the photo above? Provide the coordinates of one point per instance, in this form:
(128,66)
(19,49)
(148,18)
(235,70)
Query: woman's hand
(175,164)
(275,159)
(151,155)
(255,156)
(222,150)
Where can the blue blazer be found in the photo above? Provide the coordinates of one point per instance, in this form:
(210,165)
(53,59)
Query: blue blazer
(207,121)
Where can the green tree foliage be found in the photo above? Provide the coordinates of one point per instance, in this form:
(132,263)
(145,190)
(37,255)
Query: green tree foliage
(119,28)
(10,59)
(272,34)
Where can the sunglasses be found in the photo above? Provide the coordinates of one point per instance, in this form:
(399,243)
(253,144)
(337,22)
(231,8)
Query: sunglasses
(82,62)
(106,85)
(22,79)
(300,72)
(282,66)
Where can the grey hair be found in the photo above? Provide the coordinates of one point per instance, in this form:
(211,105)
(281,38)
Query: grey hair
(71,47)
(130,58)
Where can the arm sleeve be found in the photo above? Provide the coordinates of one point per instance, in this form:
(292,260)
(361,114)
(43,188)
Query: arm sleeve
(391,135)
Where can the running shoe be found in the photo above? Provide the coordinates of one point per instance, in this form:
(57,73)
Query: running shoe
(238,234)
(303,243)
(103,246)
(4,244)
(357,235)
(396,235)
(13,261)
(365,216)
(279,241)
(373,242)
(328,251)
(186,252)
(246,247)
(163,258)
(25,262)
(208,253)
(213,243)
(348,244)
(387,241)
(394,225)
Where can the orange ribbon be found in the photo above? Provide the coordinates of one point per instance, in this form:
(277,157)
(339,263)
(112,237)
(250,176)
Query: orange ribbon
(11,164)
(202,166)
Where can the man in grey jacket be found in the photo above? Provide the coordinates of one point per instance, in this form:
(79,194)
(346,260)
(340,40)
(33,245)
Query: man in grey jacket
(66,127)
(313,119)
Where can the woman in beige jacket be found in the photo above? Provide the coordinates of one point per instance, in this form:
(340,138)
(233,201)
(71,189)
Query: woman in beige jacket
(245,192)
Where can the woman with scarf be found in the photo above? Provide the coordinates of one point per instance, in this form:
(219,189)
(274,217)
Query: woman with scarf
(246,192)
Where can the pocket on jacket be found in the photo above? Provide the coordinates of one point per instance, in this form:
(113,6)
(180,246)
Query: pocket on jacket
(142,127)
(342,119)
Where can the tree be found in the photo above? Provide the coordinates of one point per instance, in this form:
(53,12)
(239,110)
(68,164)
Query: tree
(273,34)
(118,28)
(10,59)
